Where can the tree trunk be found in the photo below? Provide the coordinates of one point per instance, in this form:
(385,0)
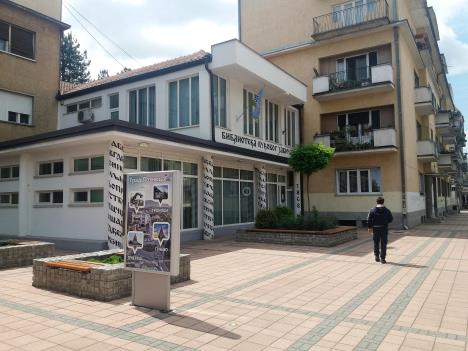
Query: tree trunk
(308,193)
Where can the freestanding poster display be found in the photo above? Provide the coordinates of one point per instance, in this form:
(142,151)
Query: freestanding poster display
(152,245)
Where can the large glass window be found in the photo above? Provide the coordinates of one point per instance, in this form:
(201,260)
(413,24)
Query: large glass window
(251,124)
(271,121)
(359,181)
(219,99)
(184,103)
(142,106)
(290,117)
(149,164)
(114,106)
(276,190)
(234,196)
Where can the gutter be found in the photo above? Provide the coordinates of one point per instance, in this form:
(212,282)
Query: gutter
(212,111)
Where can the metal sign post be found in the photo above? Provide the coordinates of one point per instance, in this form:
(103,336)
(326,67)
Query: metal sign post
(153,203)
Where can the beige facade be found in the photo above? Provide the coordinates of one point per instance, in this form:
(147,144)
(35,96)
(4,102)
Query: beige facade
(51,8)
(378,93)
(29,62)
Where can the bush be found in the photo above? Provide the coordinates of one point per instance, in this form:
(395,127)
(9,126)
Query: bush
(284,218)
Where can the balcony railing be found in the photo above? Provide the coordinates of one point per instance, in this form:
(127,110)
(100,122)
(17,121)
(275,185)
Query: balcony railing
(358,78)
(343,141)
(425,101)
(352,16)
(428,150)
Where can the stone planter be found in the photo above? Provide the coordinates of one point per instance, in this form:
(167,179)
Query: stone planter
(103,283)
(326,238)
(20,253)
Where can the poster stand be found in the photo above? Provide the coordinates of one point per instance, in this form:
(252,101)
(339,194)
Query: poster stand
(152,241)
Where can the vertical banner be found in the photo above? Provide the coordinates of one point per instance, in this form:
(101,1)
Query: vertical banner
(115,192)
(261,187)
(208,199)
(297,194)
(153,208)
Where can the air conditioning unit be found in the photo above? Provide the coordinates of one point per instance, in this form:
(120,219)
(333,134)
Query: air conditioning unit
(434,167)
(451,148)
(85,116)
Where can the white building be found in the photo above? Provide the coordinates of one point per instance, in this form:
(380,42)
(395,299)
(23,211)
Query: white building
(65,186)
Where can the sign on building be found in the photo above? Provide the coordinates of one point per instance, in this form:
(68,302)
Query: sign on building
(153,205)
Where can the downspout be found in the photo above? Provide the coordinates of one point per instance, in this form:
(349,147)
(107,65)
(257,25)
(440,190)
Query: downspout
(396,39)
(210,72)
(301,141)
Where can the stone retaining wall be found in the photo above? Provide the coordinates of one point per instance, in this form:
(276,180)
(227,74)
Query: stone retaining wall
(24,252)
(103,283)
(326,238)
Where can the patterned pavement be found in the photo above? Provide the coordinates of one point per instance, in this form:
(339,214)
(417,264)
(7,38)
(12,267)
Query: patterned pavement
(269,297)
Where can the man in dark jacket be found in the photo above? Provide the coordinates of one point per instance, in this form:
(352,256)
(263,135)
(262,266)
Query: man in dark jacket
(378,219)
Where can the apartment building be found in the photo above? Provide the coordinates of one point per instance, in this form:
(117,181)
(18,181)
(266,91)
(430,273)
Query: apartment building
(30,33)
(377,93)
(194,113)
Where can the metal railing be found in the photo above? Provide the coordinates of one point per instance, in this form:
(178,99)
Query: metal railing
(352,16)
(343,141)
(357,78)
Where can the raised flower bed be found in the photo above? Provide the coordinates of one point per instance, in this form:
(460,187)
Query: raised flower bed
(86,275)
(20,253)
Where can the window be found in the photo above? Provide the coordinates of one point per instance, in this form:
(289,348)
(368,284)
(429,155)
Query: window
(356,68)
(219,99)
(143,106)
(290,127)
(114,106)
(271,121)
(50,168)
(184,103)
(16,40)
(84,105)
(50,197)
(149,164)
(88,196)
(251,124)
(359,125)
(233,196)
(88,164)
(276,190)
(359,181)
(9,172)
(20,118)
(190,190)
(8,199)
(16,108)
(130,162)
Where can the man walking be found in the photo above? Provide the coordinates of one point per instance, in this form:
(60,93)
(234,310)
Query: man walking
(377,221)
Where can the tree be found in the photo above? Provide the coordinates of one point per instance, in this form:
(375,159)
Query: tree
(103,73)
(73,63)
(125,69)
(308,159)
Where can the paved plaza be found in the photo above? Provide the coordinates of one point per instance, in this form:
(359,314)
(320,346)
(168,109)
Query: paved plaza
(268,297)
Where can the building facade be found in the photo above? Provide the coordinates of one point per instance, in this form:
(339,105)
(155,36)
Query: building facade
(377,93)
(30,33)
(195,114)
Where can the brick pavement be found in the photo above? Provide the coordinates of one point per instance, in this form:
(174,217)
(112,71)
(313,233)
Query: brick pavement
(267,297)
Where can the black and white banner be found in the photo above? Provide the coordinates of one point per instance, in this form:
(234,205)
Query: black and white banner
(115,205)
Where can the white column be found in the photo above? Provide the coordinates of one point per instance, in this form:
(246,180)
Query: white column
(297,194)
(261,175)
(25,194)
(115,204)
(208,198)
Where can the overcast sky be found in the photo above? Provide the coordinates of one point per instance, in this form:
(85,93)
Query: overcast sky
(154,30)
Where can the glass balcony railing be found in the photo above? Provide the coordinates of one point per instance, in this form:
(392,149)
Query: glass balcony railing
(351,16)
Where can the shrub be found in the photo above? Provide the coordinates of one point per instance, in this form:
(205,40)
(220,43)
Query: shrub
(266,219)
(283,212)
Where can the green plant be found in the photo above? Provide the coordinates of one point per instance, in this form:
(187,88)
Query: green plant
(266,219)
(308,159)
(114,259)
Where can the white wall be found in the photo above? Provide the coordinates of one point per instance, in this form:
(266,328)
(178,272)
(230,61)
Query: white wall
(9,221)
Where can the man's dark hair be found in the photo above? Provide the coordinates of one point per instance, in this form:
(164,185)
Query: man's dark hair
(380,200)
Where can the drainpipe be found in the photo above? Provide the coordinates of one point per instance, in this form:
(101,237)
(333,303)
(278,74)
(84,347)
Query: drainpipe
(396,38)
(210,72)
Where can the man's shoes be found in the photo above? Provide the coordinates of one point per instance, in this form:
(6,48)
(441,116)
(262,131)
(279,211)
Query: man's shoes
(383,261)
(377,259)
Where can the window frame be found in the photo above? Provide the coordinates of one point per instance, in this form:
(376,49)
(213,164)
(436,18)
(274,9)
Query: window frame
(79,108)
(137,97)
(51,202)
(9,42)
(10,199)
(190,117)
(52,174)
(218,99)
(358,182)
(114,109)
(248,110)
(272,121)
(290,126)
(10,178)
(88,201)
(89,158)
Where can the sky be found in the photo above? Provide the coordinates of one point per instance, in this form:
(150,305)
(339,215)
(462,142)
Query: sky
(155,30)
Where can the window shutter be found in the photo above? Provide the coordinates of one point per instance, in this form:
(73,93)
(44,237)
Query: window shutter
(22,42)
(4,31)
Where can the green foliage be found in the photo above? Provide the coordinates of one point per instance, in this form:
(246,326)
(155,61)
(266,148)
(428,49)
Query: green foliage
(310,158)
(125,69)
(73,63)
(284,218)
(103,73)
(114,259)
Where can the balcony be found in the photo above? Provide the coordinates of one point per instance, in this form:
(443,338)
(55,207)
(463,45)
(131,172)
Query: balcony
(447,164)
(351,19)
(450,125)
(427,151)
(425,101)
(378,140)
(349,84)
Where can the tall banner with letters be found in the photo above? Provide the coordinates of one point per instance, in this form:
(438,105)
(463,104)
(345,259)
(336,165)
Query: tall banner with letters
(115,193)
(153,221)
